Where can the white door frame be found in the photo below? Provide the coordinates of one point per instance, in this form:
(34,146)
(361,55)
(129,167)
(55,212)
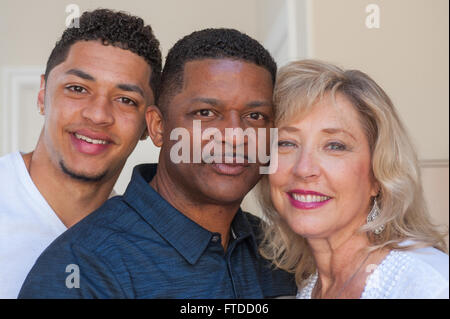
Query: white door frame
(290,28)
(14,80)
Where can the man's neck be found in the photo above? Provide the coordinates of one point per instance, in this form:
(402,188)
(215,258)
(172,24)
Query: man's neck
(213,217)
(70,199)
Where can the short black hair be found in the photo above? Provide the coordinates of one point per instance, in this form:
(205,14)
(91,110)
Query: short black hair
(210,43)
(118,29)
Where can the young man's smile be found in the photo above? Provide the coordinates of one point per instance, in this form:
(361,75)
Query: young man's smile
(89,142)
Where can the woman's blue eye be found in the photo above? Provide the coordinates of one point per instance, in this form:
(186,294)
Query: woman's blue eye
(336,146)
(285,144)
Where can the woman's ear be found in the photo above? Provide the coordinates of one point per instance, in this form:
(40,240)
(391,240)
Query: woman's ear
(155,124)
(376,189)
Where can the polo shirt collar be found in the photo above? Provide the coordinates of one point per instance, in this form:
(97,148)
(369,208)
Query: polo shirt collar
(242,229)
(186,236)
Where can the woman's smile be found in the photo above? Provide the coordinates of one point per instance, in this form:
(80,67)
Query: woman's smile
(307,199)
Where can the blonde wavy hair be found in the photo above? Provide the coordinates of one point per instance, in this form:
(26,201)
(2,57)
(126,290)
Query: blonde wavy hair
(395,166)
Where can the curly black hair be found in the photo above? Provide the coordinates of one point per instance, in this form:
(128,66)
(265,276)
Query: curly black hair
(119,29)
(210,43)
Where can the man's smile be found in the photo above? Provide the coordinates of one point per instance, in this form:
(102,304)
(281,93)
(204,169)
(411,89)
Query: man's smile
(89,142)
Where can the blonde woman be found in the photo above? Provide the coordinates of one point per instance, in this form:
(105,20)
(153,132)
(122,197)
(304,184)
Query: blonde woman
(345,208)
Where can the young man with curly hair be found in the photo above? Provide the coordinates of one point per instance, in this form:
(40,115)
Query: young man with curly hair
(99,81)
(178,231)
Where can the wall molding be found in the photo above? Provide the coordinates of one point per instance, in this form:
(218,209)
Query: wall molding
(434,163)
(288,38)
(278,34)
(13,80)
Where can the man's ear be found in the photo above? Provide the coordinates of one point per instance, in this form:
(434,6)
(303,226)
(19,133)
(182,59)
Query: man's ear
(145,133)
(155,124)
(41,96)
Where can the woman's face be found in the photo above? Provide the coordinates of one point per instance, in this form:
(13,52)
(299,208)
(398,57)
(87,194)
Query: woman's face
(323,185)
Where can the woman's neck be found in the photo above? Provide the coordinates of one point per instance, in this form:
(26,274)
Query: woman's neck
(342,265)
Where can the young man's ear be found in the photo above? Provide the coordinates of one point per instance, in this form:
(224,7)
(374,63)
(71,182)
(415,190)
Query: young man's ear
(41,96)
(155,124)
(145,133)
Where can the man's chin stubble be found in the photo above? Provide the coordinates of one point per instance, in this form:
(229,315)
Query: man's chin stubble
(80,177)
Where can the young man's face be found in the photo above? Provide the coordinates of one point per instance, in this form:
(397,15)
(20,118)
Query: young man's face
(221,93)
(94,104)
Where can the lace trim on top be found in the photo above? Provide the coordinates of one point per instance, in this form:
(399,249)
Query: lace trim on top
(372,282)
(399,275)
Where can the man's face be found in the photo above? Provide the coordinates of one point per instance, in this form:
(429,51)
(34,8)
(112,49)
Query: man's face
(94,103)
(220,93)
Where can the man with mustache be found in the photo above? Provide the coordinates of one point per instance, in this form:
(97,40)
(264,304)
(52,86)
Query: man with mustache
(99,80)
(178,231)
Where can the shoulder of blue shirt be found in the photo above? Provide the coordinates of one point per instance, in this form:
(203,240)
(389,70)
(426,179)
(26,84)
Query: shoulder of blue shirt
(87,239)
(113,217)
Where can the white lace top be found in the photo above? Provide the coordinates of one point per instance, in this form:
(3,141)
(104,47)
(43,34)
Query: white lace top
(414,274)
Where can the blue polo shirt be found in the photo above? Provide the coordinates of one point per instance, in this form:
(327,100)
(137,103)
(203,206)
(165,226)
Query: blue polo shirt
(139,246)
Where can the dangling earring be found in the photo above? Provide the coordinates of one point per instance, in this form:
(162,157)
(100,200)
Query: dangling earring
(374,212)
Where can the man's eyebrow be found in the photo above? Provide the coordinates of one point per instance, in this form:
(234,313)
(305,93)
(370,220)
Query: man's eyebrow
(218,103)
(338,130)
(260,103)
(131,88)
(81,74)
(207,100)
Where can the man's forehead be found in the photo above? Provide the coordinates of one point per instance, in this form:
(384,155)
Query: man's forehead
(94,58)
(228,72)
(220,65)
(217,64)
(96,54)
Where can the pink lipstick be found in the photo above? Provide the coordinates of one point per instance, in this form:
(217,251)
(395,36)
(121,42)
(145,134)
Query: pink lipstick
(305,199)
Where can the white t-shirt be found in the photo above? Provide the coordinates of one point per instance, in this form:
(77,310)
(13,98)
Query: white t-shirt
(413,274)
(27,224)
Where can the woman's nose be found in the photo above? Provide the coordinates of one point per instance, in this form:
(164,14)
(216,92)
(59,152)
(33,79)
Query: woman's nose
(306,166)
